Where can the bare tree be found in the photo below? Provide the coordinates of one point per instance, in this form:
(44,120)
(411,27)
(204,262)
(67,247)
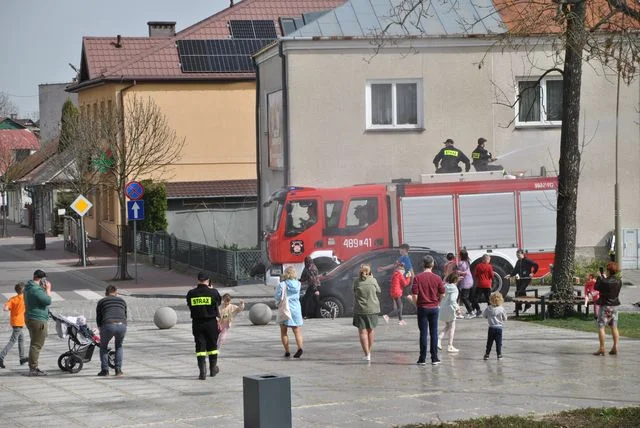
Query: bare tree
(8,173)
(6,105)
(139,142)
(602,33)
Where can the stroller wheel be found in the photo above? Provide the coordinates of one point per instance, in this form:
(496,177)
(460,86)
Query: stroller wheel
(111,359)
(74,363)
(63,360)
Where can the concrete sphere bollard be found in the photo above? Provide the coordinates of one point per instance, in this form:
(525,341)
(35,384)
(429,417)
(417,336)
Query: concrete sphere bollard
(260,314)
(165,318)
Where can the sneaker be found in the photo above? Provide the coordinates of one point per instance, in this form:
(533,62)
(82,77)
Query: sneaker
(469,316)
(402,322)
(22,361)
(298,353)
(37,372)
(459,316)
(486,357)
(499,356)
(2,364)
(435,362)
(439,344)
(287,354)
(103,373)
(386,318)
(119,372)
(366,357)
(478,314)
(421,363)
(452,349)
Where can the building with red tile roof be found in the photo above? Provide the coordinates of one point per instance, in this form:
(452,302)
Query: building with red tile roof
(202,79)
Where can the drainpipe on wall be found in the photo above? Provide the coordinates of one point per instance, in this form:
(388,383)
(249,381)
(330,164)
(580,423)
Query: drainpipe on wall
(285,116)
(258,157)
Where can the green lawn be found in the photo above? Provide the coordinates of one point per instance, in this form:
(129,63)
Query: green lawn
(593,418)
(628,323)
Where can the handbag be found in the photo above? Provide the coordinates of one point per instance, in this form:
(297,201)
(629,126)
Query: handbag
(284,312)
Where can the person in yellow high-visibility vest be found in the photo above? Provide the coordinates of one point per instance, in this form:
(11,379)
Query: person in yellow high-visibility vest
(447,159)
(203,302)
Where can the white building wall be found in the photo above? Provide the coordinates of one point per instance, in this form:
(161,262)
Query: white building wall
(329,145)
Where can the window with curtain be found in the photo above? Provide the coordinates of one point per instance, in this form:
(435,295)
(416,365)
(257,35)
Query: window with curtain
(394,104)
(539,103)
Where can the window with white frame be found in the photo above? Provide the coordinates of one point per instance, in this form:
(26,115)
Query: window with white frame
(539,103)
(394,104)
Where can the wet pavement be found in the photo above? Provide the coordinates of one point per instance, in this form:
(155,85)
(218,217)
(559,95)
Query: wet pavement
(544,369)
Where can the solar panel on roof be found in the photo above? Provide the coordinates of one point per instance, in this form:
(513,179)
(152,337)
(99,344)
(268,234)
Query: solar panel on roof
(219,56)
(252,29)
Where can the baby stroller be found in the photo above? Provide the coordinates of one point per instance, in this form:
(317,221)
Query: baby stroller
(82,343)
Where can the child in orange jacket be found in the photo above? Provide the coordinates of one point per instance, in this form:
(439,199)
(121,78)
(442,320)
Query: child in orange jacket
(398,282)
(16,306)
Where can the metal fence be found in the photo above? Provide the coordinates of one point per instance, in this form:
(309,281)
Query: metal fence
(228,266)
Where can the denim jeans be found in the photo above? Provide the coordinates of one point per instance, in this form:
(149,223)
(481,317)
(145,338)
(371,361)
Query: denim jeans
(494,335)
(16,336)
(428,326)
(108,332)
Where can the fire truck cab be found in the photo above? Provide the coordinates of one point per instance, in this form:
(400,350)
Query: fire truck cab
(446,212)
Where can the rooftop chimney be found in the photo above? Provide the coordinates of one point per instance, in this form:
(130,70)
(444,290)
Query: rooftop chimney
(162,28)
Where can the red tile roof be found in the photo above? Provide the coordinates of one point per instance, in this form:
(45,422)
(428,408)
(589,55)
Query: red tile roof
(17,139)
(157,58)
(212,189)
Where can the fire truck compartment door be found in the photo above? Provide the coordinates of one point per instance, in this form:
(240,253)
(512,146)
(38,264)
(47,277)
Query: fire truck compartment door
(538,212)
(427,221)
(488,221)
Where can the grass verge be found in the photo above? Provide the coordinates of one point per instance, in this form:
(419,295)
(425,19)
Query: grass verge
(626,417)
(628,323)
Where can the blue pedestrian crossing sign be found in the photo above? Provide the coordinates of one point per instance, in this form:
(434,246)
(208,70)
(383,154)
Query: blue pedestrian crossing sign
(135,210)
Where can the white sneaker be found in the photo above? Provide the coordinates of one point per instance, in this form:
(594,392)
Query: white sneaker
(439,344)
(403,322)
(452,349)
(469,316)
(386,318)
(366,357)
(459,316)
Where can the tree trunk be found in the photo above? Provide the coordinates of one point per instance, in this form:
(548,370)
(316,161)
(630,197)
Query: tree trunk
(569,167)
(123,272)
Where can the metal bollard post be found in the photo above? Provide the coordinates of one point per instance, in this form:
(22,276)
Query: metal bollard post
(267,401)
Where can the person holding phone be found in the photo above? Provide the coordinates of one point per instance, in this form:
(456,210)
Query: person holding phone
(37,298)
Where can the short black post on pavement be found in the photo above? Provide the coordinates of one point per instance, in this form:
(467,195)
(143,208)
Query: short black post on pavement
(267,401)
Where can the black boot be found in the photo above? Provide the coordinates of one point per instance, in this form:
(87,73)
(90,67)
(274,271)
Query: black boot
(202,365)
(213,365)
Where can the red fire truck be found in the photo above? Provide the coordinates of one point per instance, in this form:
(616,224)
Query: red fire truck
(495,216)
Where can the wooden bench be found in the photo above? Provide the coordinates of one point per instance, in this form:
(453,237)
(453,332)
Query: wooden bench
(577,301)
(534,300)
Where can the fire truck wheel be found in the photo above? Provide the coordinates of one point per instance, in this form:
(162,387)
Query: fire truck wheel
(499,283)
(325,264)
(331,303)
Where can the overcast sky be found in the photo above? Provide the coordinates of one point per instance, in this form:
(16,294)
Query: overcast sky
(39,38)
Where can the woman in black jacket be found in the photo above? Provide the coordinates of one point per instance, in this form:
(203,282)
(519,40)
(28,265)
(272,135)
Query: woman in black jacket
(609,288)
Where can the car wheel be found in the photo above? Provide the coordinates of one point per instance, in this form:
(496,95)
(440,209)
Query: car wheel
(499,283)
(331,303)
(325,264)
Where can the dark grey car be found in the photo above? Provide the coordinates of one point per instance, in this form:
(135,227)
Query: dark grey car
(336,290)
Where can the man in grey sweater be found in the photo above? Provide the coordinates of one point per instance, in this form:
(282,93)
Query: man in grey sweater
(111,318)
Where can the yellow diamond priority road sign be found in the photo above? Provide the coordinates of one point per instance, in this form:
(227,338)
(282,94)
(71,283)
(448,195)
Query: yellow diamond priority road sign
(81,205)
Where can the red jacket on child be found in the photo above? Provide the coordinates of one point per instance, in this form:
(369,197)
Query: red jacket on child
(484,275)
(398,282)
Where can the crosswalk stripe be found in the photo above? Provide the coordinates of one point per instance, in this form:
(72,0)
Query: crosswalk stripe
(89,294)
(55,297)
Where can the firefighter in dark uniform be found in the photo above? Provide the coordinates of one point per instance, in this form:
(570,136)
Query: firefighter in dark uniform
(523,271)
(448,158)
(481,158)
(203,302)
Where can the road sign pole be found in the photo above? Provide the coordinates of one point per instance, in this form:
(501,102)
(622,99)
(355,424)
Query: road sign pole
(83,242)
(135,250)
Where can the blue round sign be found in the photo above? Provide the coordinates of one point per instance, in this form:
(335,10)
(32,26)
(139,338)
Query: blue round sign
(134,190)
